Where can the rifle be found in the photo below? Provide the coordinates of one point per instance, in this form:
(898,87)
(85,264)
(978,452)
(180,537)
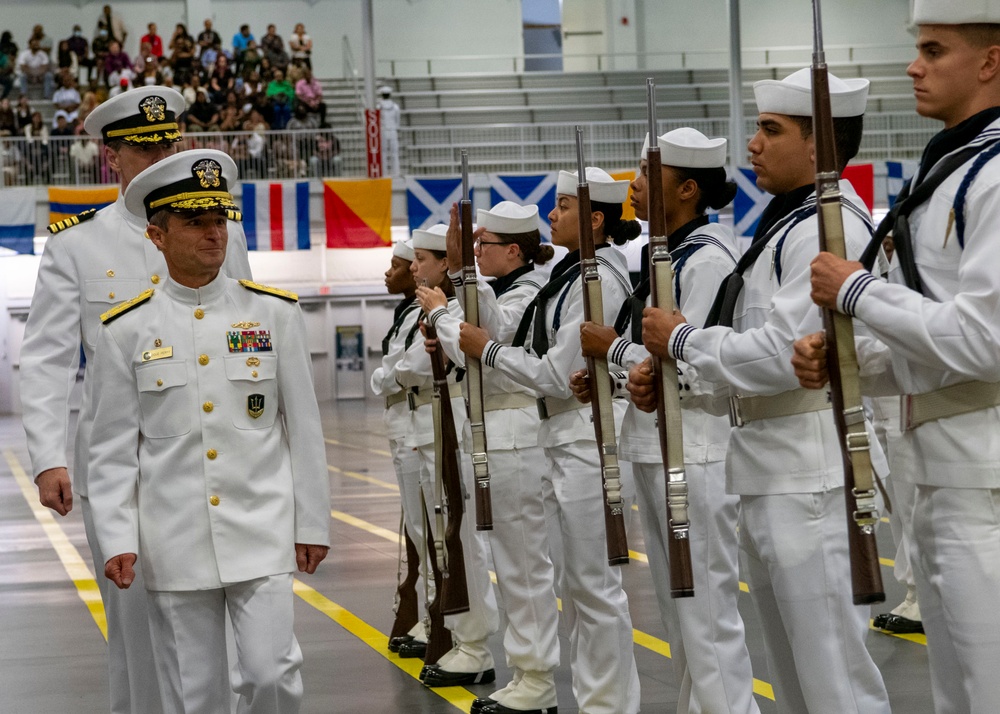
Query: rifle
(453,591)
(597,368)
(668,403)
(439,641)
(842,360)
(473,366)
(406,609)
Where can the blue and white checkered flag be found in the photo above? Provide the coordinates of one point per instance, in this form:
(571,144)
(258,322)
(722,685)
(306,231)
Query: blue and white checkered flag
(898,173)
(428,200)
(749,203)
(538,189)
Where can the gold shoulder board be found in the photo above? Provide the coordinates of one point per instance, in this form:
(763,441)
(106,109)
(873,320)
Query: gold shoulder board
(123,307)
(72,221)
(268,290)
(234,215)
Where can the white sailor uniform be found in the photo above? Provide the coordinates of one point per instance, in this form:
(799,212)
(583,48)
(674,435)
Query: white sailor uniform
(595,607)
(708,649)
(87,268)
(470,629)
(946,336)
(519,541)
(789,475)
(207,460)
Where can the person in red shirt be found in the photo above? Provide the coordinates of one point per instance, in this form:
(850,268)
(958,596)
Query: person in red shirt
(154,40)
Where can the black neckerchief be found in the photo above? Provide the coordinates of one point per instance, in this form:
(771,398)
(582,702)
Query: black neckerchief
(636,302)
(398,316)
(779,209)
(506,282)
(949,140)
(401,307)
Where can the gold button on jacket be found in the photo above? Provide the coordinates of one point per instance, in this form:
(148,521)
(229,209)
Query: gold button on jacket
(208,406)
(203,360)
(211,453)
(199,313)
(214,500)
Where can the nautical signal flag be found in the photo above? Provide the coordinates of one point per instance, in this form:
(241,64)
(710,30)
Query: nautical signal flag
(862,178)
(358,212)
(429,200)
(67,202)
(628,213)
(897,173)
(276,215)
(17,220)
(527,189)
(749,203)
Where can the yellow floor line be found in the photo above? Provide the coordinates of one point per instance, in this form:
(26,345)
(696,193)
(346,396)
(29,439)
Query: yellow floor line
(72,561)
(643,639)
(367,479)
(334,442)
(459,697)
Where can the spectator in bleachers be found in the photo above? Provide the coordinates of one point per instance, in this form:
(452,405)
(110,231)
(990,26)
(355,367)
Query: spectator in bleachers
(280,85)
(6,74)
(84,160)
(62,125)
(309,93)
(36,150)
(150,73)
(281,111)
(208,39)
(79,46)
(44,41)
(87,105)
(252,86)
(154,40)
(9,47)
(143,58)
(116,63)
(67,98)
(114,25)
(241,40)
(203,115)
(121,83)
(100,45)
(252,57)
(182,49)
(22,112)
(326,160)
(274,49)
(230,118)
(191,89)
(301,46)
(8,119)
(221,80)
(66,59)
(166,72)
(35,67)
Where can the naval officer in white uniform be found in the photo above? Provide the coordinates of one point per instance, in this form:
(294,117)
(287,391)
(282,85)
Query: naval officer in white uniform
(207,462)
(91,262)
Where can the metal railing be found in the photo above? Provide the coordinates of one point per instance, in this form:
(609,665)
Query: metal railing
(351,74)
(425,150)
(790,55)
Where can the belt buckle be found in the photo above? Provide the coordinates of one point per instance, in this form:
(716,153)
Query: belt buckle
(906,412)
(542,407)
(735,413)
(411,401)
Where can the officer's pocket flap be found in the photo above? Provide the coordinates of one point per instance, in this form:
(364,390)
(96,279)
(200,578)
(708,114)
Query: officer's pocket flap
(251,366)
(160,375)
(112,290)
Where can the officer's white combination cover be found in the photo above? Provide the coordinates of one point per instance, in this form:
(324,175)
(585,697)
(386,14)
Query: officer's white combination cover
(403,249)
(197,179)
(793,95)
(432,238)
(689,148)
(509,217)
(603,188)
(955,12)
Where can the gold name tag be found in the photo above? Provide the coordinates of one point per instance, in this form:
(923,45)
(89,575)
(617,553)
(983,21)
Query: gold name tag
(161,353)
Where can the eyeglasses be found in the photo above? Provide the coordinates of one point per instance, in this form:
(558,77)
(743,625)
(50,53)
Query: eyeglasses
(479,242)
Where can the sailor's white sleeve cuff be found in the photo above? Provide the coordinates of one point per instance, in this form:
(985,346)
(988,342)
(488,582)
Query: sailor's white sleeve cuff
(491,352)
(852,290)
(618,350)
(678,340)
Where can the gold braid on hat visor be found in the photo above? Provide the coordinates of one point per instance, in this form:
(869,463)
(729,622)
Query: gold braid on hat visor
(195,200)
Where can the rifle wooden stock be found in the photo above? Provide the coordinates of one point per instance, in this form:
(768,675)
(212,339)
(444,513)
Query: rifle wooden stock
(597,368)
(842,362)
(474,367)
(668,404)
(453,592)
(439,640)
(407,610)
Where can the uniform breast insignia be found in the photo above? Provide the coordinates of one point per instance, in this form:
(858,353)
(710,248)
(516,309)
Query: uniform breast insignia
(245,325)
(268,290)
(253,361)
(121,308)
(161,353)
(72,221)
(249,340)
(234,215)
(255,406)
